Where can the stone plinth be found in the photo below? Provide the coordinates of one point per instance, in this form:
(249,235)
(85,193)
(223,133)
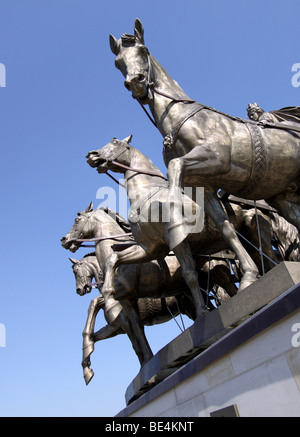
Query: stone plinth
(207,343)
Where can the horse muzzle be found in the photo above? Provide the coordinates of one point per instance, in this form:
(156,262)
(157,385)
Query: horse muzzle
(95,161)
(139,87)
(69,244)
(81,291)
(93,158)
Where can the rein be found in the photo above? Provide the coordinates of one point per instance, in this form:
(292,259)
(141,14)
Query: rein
(155,90)
(112,237)
(263,124)
(150,173)
(95,284)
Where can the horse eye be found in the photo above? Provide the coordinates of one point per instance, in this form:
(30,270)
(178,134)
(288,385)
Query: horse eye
(144,50)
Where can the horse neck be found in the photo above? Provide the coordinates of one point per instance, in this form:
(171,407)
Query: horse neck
(164,111)
(135,182)
(105,227)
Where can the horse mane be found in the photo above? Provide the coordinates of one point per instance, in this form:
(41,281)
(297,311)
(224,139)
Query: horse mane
(124,225)
(89,254)
(129,40)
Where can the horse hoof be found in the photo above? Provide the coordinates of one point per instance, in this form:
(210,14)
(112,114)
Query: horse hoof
(88,375)
(202,311)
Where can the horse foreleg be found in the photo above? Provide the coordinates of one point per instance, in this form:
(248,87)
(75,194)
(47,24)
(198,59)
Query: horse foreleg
(190,275)
(215,211)
(87,334)
(122,314)
(107,331)
(177,230)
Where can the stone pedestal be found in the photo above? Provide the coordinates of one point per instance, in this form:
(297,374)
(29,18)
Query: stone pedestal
(240,357)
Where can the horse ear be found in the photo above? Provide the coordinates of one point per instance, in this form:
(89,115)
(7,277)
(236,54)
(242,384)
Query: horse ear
(73,261)
(128,139)
(139,30)
(90,207)
(114,45)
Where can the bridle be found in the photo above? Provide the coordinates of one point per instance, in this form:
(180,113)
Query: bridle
(111,237)
(151,86)
(87,276)
(113,161)
(263,123)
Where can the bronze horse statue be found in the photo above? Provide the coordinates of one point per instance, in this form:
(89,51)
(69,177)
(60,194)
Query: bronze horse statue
(152,311)
(151,191)
(210,149)
(108,229)
(154,279)
(133,283)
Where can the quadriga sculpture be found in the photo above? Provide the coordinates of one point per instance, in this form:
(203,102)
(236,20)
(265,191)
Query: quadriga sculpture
(207,148)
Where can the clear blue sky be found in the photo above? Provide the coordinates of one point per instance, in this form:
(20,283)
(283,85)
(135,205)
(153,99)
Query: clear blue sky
(63,98)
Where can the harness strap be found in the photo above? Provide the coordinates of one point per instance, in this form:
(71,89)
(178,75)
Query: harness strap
(170,139)
(172,98)
(259,160)
(137,170)
(111,237)
(280,125)
(147,113)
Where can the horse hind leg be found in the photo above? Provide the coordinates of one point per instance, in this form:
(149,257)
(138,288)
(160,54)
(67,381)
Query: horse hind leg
(215,211)
(189,273)
(123,314)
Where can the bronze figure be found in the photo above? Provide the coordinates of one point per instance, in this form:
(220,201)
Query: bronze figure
(156,279)
(174,255)
(152,278)
(207,148)
(151,192)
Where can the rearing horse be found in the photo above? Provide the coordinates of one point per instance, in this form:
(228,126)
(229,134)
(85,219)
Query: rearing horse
(204,147)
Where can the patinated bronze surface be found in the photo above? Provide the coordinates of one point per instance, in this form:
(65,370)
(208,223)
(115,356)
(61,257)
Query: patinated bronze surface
(204,147)
(151,278)
(153,236)
(165,260)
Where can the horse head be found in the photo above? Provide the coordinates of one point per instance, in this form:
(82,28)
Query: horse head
(132,59)
(83,276)
(84,271)
(80,230)
(115,151)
